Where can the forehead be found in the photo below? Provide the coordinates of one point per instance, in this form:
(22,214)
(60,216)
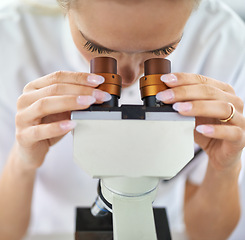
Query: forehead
(131,25)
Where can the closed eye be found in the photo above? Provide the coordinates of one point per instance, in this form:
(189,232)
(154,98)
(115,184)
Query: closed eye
(164,51)
(93,48)
(101,50)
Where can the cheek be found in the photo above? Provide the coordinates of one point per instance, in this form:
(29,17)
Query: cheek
(87,55)
(79,44)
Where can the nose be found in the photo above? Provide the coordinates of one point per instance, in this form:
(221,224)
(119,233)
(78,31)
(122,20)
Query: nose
(128,74)
(130,68)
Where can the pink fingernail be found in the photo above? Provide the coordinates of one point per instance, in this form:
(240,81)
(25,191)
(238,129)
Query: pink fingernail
(95,79)
(166,95)
(169,78)
(182,106)
(85,100)
(101,95)
(205,129)
(68,125)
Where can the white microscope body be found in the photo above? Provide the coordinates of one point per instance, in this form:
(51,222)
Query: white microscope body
(132,147)
(130,157)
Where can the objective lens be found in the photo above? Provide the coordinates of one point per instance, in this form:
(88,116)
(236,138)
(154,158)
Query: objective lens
(99,209)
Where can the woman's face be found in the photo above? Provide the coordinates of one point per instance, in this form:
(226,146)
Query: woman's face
(131,31)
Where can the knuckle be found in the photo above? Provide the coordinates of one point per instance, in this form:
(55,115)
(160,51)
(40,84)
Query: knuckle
(58,74)
(18,119)
(19,136)
(184,92)
(209,90)
(227,108)
(41,105)
(199,107)
(229,88)
(21,99)
(78,78)
(202,79)
(239,134)
(180,92)
(53,89)
(28,87)
(34,132)
(239,104)
(55,76)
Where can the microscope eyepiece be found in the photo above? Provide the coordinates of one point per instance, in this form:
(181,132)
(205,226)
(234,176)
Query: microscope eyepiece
(151,84)
(107,67)
(157,66)
(103,65)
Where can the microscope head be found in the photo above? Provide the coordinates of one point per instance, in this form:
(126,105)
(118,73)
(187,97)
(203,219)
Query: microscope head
(132,140)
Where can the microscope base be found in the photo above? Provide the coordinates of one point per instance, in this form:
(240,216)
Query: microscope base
(89,227)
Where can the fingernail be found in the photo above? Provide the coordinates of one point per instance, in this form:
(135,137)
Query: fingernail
(205,129)
(85,100)
(95,79)
(169,78)
(68,125)
(101,95)
(166,95)
(182,106)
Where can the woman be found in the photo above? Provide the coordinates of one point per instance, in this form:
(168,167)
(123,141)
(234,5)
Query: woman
(131,32)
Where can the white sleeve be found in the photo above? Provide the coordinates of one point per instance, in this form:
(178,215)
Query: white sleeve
(10,75)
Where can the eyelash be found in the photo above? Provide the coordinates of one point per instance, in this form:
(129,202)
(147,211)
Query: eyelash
(95,49)
(164,51)
(92,48)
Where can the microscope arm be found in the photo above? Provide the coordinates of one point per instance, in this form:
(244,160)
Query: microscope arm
(135,218)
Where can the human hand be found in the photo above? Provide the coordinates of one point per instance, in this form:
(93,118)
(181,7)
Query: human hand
(44,108)
(208,100)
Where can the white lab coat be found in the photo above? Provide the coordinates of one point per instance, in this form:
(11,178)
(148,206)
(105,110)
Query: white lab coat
(34,43)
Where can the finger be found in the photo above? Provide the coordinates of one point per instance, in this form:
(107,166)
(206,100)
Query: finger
(228,133)
(44,131)
(180,79)
(30,97)
(210,109)
(52,105)
(86,79)
(194,92)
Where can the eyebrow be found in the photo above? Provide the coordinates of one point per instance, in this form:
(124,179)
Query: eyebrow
(150,51)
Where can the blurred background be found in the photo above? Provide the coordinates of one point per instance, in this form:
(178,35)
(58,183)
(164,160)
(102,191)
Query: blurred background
(238,6)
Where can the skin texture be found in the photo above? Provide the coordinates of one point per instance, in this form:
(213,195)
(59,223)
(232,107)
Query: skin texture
(130,37)
(126,27)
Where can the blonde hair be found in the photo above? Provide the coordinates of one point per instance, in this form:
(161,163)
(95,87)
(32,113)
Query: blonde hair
(66,4)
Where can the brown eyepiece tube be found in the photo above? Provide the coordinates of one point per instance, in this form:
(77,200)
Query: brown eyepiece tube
(151,84)
(103,65)
(107,67)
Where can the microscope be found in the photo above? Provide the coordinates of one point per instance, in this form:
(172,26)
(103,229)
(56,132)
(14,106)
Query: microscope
(134,148)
